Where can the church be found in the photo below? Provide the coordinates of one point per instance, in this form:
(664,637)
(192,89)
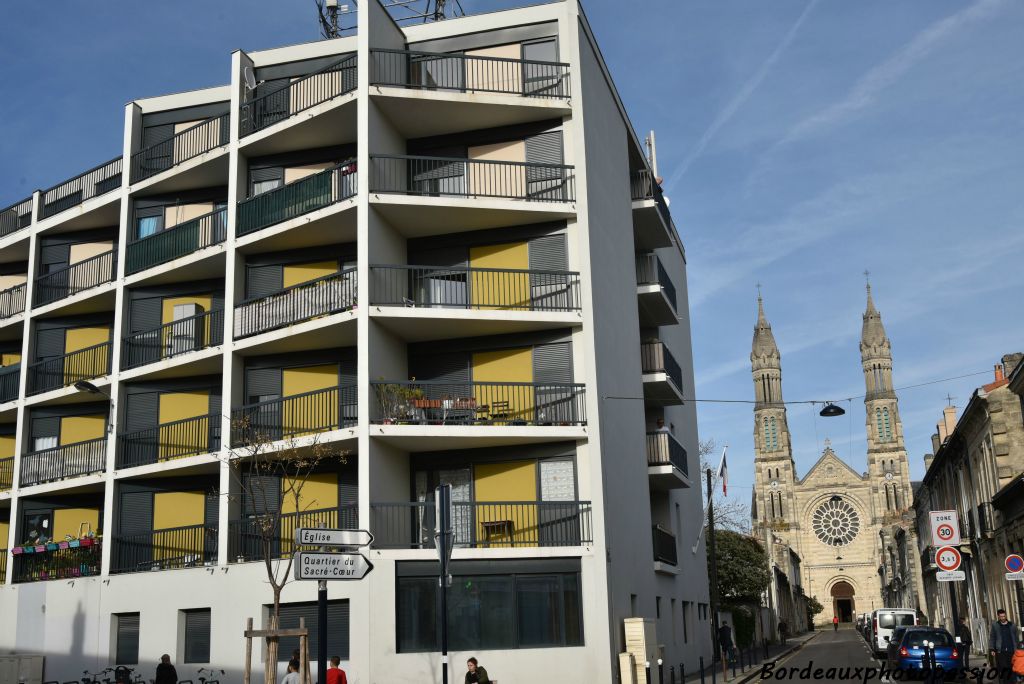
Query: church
(840,522)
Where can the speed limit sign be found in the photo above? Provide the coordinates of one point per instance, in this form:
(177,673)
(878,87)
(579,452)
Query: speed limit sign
(945,528)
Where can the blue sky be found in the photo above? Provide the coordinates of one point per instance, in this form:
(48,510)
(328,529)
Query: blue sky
(802,142)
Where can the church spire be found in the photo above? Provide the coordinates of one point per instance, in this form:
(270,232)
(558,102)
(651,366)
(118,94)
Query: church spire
(764,341)
(873,332)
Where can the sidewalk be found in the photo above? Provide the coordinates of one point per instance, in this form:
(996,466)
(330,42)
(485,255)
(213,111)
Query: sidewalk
(751,668)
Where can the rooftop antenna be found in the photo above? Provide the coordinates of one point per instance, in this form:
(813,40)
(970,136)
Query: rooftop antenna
(408,11)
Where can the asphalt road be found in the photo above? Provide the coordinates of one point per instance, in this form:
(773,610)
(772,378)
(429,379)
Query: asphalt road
(829,657)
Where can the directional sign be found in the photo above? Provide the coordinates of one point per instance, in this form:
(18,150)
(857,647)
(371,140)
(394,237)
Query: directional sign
(315,536)
(945,528)
(950,575)
(313,565)
(947,558)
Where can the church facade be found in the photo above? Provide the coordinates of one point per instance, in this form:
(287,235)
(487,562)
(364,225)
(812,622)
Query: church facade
(839,521)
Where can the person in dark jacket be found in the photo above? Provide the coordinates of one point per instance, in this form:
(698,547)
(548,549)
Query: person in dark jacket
(475,674)
(165,672)
(966,641)
(1002,641)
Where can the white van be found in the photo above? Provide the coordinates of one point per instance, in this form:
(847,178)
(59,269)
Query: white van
(884,621)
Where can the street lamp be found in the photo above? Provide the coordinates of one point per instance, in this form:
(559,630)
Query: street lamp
(831,411)
(86,386)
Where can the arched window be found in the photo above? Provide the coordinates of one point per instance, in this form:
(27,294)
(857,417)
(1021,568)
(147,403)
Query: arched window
(895,498)
(888,498)
(888,429)
(767,441)
(775,435)
(878,421)
(781,513)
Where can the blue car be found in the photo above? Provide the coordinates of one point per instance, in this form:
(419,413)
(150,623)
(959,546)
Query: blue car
(907,651)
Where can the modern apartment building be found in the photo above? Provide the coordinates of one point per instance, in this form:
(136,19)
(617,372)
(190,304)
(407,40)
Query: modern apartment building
(439,248)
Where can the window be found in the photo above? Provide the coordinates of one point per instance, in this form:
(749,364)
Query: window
(767,438)
(632,605)
(878,421)
(337,628)
(126,639)
(888,429)
(775,438)
(687,607)
(657,607)
(197,635)
(491,612)
(672,619)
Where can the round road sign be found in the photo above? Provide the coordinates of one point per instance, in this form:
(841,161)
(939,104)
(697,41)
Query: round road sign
(1014,563)
(947,558)
(945,532)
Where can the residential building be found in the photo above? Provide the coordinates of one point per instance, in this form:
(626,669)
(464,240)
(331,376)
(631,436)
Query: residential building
(439,249)
(977,470)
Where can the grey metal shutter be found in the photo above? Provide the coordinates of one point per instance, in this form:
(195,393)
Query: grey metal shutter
(552,373)
(262,494)
(545,80)
(127,651)
(541,51)
(142,410)
(54,256)
(552,362)
(45,427)
(211,512)
(135,512)
(348,495)
(548,253)
(260,175)
(550,291)
(153,135)
(49,343)
(261,281)
(197,636)
(262,382)
(452,371)
(449,257)
(544,148)
(145,314)
(337,628)
(545,182)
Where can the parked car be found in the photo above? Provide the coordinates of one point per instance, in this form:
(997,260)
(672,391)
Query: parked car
(907,650)
(883,622)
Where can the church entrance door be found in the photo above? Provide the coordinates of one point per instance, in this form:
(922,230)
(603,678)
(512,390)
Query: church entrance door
(842,601)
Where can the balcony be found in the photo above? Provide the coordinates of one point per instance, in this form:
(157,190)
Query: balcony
(294,416)
(656,295)
(168,441)
(71,280)
(480,525)
(16,217)
(183,336)
(665,558)
(12,301)
(297,198)
(320,297)
(663,377)
(9,377)
(255,537)
(176,242)
(480,289)
(63,462)
(652,222)
(63,371)
(478,403)
(63,563)
(6,474)
(321,86)
(179,547)
(185,145)
(93,183)
(667,465)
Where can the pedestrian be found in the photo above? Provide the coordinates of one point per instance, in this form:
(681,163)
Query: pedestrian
(835,623)
(966,641)
(165,672)
(293,672)
(726,645)
(335,675)
(1002,642)
(783,631)
(475,674)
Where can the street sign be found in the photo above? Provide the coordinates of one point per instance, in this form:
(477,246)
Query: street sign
(947,558)
(1014,563)
(315,536)
(317,565)
(950,575)
(945,528)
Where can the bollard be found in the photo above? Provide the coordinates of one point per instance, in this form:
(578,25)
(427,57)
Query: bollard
(682,673)
(672,674)
(648,666)
(702,670)
(766,649)
(733,659)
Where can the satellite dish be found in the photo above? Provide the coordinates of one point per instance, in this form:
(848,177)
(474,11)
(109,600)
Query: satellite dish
(250,78)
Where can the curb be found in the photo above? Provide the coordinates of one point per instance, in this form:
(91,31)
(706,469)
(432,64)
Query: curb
(754,673)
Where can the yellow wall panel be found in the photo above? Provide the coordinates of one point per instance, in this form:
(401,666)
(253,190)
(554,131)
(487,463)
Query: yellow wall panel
(183,439)
(505,403)
(304,415)
(88,364)
(9,359)
(5,529)
(500,290)
(178,509)
(501,524)
(6,446)
(75,429)
(68,521)
(295,274)
(81,338)
(319,491)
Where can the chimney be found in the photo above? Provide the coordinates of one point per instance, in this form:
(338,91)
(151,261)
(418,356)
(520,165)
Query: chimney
(999,371)
(947,424)
(928,458)
(935,442)
(1010,362)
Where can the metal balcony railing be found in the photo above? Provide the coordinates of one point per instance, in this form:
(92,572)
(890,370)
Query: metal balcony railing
(664,449)
(62,371)
(9,377)
(182,336)
(62,462)
(178,547)
(6,473)
(184,145)
(3,566)
(649,271)
(337,78)
(643,186)
(478,403)
(474,288)
(12,301)
(93,183)
(71,280)
(168,441)
(320,297)
(255,536)
(317,191)
(59,564)
(16,217)
(492,524)
(664,546)
(308,413)
(468,73)
(177,241)
(656,358)
(449,177)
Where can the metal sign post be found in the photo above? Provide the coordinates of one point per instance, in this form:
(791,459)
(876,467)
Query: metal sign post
(445,543)
(321,626)
(946,536)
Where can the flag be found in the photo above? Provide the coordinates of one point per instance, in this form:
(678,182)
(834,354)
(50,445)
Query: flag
(723,473)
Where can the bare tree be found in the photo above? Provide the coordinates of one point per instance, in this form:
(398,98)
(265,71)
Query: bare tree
(731,512)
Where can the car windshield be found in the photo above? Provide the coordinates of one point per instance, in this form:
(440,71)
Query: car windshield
(890,620)
(915,638)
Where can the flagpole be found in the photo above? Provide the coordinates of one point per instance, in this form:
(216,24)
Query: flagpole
(714,567)
(700,533)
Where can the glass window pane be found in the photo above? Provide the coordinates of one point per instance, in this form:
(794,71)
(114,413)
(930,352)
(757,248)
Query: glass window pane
(537,601)
(417,614)
(572,610)
(480,613)
(259,187)
(148,225)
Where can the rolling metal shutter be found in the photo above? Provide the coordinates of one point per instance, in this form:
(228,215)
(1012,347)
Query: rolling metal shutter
(197,636)
(267,173)
(154,135)
(127,651)
(136,512)
(54,256)
(337,628)
(212,509)
(548,253)
(49,343)
(545,182)
(552,363)
(45,427)
(262,494)
(145,314)
(262,382)
(261,281)
(550,291)
(451,369)
(142,410)
(348,493)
